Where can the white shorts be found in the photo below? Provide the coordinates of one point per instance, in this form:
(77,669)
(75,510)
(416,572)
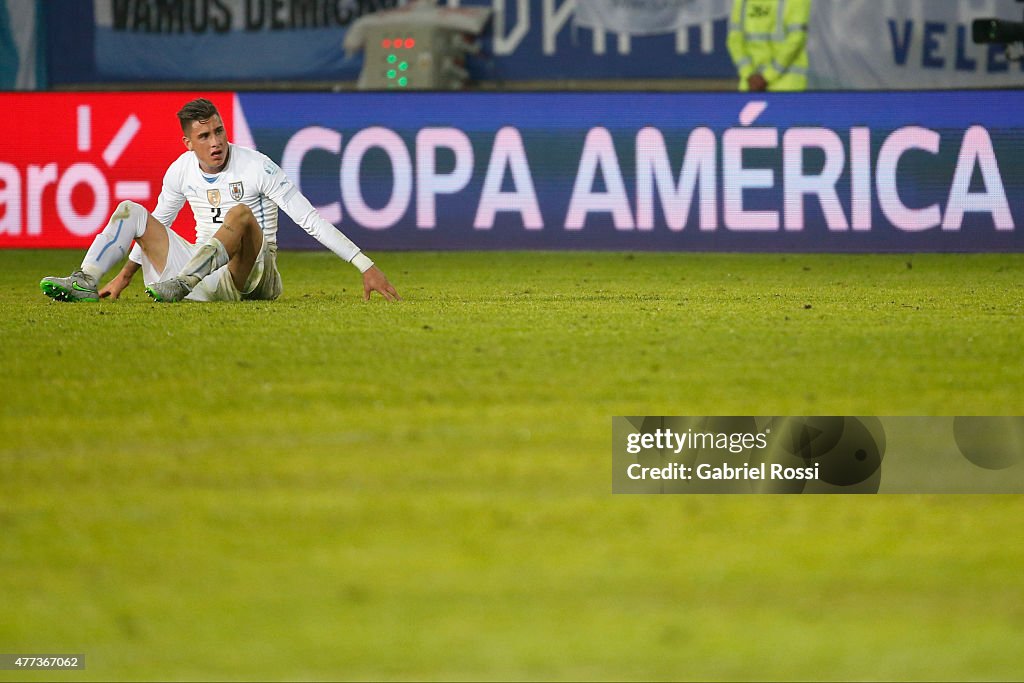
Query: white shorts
(264,281)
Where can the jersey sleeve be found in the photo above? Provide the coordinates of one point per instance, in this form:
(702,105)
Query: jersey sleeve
(283,192)
(172,195)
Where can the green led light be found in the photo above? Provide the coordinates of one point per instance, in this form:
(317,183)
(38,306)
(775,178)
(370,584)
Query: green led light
(392,59)
(392,73)
(403,81)
(403,66)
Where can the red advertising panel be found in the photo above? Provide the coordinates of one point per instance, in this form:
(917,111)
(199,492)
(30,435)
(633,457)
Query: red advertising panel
(71,157)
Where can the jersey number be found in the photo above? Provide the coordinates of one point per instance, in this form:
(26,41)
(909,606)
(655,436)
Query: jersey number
(216,214)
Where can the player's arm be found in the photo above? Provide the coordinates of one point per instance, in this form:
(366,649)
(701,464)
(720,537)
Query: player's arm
(284,193)
(172,195)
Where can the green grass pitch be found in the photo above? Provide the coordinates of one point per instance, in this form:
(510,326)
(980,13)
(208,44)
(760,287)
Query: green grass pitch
(322,488)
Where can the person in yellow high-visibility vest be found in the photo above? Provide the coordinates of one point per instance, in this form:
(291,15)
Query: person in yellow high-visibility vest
(768,43)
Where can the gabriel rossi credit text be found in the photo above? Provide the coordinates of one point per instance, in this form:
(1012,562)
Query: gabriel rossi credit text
(669,441)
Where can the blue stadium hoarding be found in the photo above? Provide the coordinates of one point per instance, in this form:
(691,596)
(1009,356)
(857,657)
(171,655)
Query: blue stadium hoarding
(828,172)
(912,44)
(91,41)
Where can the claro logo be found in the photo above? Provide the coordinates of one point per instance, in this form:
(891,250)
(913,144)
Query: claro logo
(84,190)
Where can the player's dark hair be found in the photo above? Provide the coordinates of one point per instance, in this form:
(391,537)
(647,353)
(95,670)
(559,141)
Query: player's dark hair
(200,110)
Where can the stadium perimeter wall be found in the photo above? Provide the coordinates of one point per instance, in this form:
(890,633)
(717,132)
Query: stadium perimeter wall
(831,172)
(852,44)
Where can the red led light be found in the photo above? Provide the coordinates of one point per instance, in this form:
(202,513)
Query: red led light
(410,43)
(386,44)
(398,43)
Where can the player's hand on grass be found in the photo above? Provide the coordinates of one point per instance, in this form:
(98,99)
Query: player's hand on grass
(112,290)
(374,280)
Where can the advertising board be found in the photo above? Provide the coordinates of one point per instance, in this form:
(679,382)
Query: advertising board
(827,172)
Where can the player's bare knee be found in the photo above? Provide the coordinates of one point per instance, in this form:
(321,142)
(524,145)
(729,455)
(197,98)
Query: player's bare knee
(240,214)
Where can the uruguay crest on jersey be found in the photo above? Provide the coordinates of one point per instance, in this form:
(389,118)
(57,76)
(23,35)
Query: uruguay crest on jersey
(236,190)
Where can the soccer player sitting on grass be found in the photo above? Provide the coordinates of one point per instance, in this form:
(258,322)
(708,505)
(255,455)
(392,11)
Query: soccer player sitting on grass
(234,193)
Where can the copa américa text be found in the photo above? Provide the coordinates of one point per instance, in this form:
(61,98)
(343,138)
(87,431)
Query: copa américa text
(714,173)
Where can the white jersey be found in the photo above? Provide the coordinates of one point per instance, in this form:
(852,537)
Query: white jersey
(249,178)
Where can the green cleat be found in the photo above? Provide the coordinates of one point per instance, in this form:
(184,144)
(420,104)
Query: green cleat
(168,291)
(75,287)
